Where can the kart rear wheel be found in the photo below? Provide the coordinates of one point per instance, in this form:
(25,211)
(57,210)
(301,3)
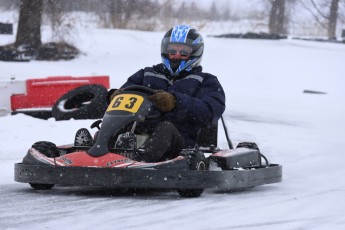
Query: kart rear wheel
(42,186)
(190,193)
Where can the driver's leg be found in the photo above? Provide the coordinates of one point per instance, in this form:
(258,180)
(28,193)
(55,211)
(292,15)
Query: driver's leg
(165,142)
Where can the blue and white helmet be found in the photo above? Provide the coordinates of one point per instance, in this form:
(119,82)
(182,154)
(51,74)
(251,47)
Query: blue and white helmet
(186,35)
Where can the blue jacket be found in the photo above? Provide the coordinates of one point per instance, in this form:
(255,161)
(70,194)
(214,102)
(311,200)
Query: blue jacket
(200,99)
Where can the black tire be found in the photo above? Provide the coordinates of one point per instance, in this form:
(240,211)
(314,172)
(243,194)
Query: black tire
(47,148)
(42,186)
(192,193)
(84,102)
(41,114)
(249,145)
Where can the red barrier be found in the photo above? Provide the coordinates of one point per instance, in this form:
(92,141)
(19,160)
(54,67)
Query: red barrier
(44,92)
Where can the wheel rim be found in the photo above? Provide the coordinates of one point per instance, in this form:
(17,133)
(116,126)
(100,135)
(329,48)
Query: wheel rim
(201,166)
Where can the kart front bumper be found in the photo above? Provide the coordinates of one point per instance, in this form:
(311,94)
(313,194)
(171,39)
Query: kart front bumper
(147,178)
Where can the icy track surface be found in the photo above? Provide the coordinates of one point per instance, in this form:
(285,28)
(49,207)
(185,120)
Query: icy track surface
(264,83)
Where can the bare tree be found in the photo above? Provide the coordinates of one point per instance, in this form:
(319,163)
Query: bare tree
(226,15)
(29,25)
(10,4)
(182,11)
(213,13)
(276,24)
(333,17)
(28,45)
(121,11)
(54,10)
(327,20)
(194,12)
(167,10)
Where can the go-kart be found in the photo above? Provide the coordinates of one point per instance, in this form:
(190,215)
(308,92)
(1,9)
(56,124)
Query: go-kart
(107,160)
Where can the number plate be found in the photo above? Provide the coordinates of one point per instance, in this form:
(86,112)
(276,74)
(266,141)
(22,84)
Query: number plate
(126,102)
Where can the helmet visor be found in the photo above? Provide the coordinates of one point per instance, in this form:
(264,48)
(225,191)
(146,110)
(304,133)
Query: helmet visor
(178,51)
(187,49)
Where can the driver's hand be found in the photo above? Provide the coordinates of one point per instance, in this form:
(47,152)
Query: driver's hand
(113,92)
(164,101)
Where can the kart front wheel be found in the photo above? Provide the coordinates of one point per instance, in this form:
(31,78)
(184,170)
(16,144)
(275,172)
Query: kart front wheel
(47,148)
(42,186)
(190,193)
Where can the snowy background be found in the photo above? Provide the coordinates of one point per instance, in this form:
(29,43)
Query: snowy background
(264,83)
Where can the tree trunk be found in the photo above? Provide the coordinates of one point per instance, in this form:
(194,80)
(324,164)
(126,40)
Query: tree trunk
(276,22)
(121,12)
(29,25)
(332,22)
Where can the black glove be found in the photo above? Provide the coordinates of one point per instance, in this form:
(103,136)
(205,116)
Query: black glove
(164,101)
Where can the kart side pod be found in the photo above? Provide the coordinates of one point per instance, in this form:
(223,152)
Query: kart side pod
(237,158)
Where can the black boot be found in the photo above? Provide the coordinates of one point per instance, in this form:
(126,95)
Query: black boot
(138,154)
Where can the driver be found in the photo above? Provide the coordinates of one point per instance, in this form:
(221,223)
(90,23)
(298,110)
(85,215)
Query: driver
(189,98)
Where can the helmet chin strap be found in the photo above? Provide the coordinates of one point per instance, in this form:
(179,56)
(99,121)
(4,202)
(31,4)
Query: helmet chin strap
(175,66)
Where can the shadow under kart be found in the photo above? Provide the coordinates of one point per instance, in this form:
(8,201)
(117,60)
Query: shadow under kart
(104,161)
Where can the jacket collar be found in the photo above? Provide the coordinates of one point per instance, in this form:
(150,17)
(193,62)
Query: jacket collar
(160,68)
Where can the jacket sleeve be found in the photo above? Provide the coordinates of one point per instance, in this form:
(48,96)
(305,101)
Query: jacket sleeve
(135,79)
(206,107)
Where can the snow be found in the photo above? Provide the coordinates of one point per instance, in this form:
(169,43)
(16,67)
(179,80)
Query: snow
(264,83)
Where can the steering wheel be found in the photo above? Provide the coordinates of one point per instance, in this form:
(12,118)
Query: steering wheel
(155,113)
(140,88)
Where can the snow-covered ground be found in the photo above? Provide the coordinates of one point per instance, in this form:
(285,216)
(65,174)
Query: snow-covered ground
(264,83)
